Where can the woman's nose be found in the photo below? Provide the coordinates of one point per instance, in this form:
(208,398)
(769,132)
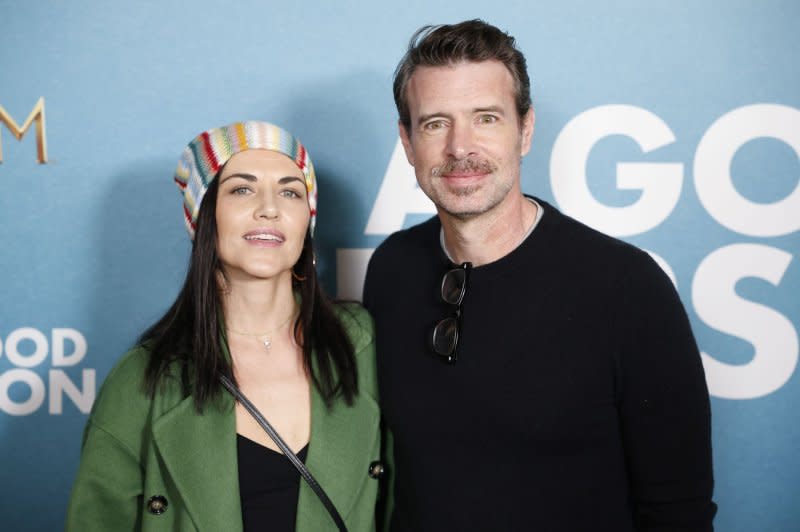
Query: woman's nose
(267,209)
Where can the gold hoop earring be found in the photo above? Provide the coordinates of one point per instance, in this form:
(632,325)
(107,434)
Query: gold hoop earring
(297,277)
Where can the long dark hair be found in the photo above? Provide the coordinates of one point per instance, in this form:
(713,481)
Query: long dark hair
(187,337)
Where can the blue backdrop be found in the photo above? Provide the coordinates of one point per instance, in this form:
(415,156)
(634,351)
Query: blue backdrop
(675,126)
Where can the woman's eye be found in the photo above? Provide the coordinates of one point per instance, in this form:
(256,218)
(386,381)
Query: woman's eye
(289,193)
(240,190)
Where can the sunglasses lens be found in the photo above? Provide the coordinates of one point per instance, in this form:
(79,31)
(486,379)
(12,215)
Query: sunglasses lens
(445,333)
(445,337)
(453,286)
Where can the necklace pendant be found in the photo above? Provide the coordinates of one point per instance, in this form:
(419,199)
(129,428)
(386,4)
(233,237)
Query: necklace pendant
(267,344)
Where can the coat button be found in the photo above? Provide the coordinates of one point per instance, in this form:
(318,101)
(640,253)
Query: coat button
(157,504)
(376,469)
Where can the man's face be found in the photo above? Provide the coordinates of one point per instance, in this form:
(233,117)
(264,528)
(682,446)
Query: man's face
(465,141)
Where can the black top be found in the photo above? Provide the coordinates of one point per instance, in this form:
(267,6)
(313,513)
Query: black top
(578,401)
(269,486)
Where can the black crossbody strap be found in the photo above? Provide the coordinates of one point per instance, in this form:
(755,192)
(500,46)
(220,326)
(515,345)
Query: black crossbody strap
(296,462)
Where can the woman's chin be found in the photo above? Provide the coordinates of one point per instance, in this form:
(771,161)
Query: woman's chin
(257,273)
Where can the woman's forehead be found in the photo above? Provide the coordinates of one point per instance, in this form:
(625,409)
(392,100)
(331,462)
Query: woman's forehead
(264,162)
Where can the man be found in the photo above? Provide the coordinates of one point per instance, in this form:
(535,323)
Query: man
(535,374)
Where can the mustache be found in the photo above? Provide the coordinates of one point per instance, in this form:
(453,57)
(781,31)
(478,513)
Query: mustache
(452,166)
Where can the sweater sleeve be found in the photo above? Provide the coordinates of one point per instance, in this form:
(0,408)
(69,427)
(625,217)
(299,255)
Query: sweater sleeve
(664,406)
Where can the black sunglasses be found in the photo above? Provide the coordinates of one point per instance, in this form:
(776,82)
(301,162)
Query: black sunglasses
(444,340)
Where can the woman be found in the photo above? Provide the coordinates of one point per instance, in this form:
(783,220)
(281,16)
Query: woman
(166,447)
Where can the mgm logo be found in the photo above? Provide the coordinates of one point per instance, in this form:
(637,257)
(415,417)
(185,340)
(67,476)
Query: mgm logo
(36,115)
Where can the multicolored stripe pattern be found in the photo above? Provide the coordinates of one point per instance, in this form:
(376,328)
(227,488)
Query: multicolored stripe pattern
(210,150)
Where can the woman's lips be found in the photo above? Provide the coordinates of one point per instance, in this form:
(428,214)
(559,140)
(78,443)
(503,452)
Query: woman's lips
(265,237)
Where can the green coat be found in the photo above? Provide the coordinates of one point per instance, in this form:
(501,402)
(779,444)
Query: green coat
(135,447)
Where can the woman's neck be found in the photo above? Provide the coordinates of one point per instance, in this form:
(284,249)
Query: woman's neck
(260,305)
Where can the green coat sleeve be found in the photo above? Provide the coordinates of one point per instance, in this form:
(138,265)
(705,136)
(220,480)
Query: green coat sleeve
(107,494)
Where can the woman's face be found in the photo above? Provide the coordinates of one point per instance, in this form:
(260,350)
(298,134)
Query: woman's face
(262,215)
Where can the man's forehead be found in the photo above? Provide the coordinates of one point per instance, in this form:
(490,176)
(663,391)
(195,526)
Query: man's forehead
(456,67)
(475,84)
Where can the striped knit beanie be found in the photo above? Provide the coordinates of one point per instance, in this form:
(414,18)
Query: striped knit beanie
(209,151)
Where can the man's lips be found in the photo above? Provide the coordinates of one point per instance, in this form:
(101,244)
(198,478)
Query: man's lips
(464,169)
(464,174)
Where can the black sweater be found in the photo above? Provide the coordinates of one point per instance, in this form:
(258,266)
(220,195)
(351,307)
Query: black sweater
(578,401)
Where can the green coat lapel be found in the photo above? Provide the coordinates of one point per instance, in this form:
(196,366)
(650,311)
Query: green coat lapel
(338,462)
(199,453)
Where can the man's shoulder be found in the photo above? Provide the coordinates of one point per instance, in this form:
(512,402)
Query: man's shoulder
(400,249)
(412,239)
(585,240)
(412,249)
(596,256)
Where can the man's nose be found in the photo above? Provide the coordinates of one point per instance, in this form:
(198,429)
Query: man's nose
(461,140)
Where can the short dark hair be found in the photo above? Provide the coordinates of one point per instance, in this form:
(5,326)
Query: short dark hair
(471,40)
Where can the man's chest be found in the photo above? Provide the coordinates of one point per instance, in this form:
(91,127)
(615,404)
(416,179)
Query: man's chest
(534,361)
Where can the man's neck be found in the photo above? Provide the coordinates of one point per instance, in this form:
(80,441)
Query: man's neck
(490,236)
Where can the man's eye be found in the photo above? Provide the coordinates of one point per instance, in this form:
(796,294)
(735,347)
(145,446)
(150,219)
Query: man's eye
(433,126)
(488,119)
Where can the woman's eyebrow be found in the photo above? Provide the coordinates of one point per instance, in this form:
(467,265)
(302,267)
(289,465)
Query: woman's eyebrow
(248,177)
(289,179)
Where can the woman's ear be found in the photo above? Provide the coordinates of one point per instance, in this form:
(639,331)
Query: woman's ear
(222,283)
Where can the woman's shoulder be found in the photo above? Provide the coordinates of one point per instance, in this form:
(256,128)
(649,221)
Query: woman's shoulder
(357,323)
(121,407)
(125,380)
(359,326)
(124,390)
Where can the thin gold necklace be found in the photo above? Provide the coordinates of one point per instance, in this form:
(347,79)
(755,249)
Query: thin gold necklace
(264,337)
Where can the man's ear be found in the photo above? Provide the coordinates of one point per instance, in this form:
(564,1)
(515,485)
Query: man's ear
(404,138)
(528,122)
